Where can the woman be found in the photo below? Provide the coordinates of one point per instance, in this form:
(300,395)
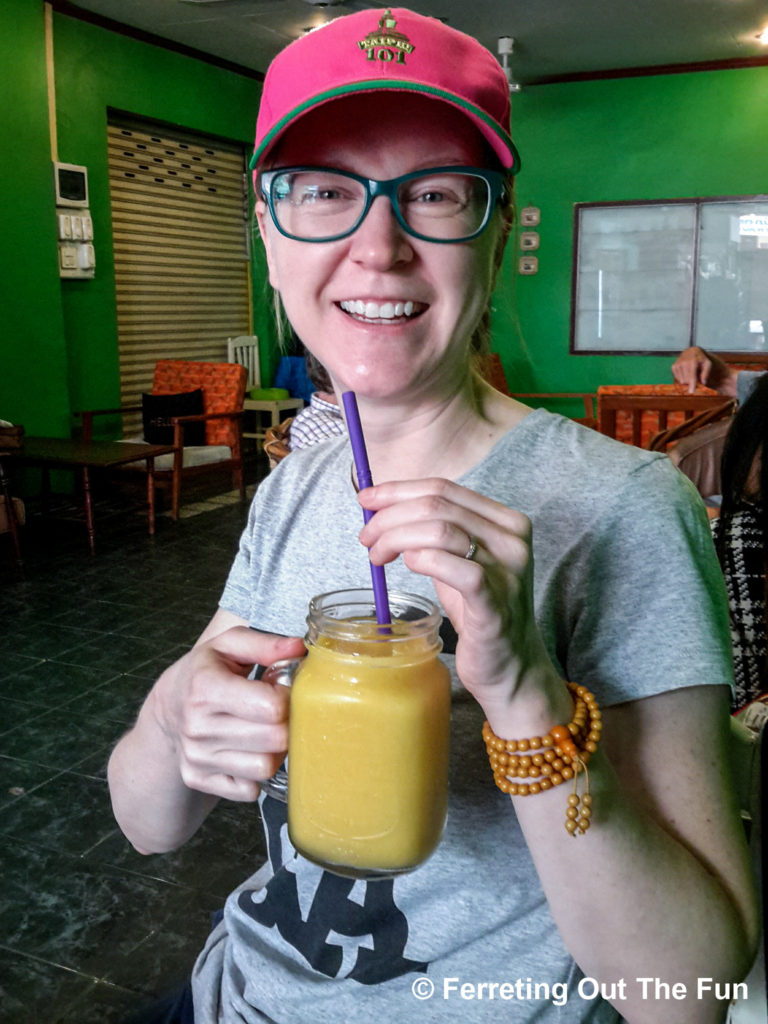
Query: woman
(741,538)
(556,554)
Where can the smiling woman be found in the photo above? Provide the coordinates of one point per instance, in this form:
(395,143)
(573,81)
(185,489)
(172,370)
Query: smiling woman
(382,170)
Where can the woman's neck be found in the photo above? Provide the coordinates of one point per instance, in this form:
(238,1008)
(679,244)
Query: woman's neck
(443,437)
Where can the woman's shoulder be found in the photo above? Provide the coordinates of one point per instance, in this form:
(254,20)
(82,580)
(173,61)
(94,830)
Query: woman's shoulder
(547,447)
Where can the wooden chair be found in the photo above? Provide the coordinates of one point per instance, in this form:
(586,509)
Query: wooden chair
(589,419)
(636,413)
(245,350)
(667,438)
(277,442)
(223,387)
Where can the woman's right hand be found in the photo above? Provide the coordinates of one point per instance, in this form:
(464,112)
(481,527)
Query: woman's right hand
(227,731)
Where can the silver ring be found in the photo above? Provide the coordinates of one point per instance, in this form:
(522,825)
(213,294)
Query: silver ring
(471,549)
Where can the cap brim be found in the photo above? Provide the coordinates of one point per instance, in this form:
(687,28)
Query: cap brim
(499,140)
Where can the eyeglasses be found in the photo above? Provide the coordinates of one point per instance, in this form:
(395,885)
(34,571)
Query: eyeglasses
(442,204)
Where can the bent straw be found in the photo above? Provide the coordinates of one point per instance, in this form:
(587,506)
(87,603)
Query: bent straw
(363,470)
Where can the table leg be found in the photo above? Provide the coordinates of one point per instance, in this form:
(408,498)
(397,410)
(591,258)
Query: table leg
(10,512)
(89,510)
(151,494)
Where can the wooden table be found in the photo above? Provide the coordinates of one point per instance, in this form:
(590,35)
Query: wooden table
(65,453)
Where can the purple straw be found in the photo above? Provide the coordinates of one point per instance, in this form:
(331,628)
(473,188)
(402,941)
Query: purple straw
(363,470)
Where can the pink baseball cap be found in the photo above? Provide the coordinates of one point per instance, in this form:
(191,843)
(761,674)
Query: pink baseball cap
(393,49)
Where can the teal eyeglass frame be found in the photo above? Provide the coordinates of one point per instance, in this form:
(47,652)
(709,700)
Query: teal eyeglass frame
(495,181)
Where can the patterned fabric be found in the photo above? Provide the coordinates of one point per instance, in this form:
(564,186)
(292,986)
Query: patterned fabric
(744,570)
(223,387)
(318,421)
(650,418)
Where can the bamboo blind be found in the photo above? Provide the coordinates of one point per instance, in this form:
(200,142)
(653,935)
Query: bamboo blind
(180,239)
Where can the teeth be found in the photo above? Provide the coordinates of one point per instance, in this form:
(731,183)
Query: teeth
(376,311)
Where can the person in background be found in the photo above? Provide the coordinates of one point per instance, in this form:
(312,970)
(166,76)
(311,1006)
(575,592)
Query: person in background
(384,177)
(741,541)
(699,455)
(694,367)
(322,418)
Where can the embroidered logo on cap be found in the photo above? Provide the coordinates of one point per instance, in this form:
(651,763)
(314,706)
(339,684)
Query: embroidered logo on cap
(385,43)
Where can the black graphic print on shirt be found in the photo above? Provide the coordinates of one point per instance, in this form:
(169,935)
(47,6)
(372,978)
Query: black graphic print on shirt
(377,922)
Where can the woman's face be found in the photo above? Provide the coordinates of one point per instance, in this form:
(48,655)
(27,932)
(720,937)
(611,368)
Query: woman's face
(421,300)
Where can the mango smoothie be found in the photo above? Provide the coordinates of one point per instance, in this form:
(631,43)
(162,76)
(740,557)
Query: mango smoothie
(368,753)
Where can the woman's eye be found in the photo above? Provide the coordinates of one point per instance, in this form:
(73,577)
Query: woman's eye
(433,193)
(321,194)
(433,196)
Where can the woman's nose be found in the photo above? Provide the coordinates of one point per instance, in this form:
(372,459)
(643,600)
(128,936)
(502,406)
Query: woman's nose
(380,241)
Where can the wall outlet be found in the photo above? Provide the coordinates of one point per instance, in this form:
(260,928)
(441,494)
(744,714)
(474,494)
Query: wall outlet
(529,240)
(528,265)
(530,216)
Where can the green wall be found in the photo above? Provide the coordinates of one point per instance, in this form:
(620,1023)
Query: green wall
(59,351)
(33,369)
(653,137)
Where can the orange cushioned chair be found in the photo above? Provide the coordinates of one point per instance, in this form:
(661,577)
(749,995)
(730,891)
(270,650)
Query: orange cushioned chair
(223,388)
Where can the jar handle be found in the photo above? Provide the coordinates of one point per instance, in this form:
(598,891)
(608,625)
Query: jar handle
(279,673)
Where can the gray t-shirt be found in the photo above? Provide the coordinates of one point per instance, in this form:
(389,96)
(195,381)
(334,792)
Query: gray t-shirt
(630,602)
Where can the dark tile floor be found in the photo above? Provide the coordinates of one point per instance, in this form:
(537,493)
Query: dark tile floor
(89,929)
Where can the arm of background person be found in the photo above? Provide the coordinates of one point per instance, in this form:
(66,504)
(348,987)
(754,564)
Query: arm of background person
(694,367)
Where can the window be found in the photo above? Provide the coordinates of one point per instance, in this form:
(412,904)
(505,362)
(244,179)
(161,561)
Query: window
(658,277)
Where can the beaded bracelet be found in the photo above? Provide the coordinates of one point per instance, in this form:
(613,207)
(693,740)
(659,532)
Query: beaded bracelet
(556,757)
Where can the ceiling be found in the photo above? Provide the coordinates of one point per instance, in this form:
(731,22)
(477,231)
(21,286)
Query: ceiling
(553,38)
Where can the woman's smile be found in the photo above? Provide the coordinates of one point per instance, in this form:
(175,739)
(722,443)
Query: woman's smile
(388,311)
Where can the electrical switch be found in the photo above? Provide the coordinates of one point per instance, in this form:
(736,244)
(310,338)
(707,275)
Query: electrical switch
(68,257)
(86,257)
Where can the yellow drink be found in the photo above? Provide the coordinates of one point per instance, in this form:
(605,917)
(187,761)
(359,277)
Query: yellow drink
(368,750)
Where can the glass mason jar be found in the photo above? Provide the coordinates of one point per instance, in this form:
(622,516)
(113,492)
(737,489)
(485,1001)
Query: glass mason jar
(368,735)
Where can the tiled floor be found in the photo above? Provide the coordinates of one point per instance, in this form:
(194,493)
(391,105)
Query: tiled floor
(89,929)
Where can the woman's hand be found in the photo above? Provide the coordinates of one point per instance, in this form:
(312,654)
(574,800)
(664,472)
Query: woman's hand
(488,597)
(227,731)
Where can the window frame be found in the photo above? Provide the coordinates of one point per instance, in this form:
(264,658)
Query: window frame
(756,355)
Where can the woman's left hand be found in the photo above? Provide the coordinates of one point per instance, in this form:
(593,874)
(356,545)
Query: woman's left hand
(488,597)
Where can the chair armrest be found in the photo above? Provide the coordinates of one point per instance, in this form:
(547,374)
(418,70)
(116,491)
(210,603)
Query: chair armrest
(87,417)
(179,422)
(195,417)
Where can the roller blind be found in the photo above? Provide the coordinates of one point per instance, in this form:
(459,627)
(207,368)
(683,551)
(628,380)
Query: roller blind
(179,221)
